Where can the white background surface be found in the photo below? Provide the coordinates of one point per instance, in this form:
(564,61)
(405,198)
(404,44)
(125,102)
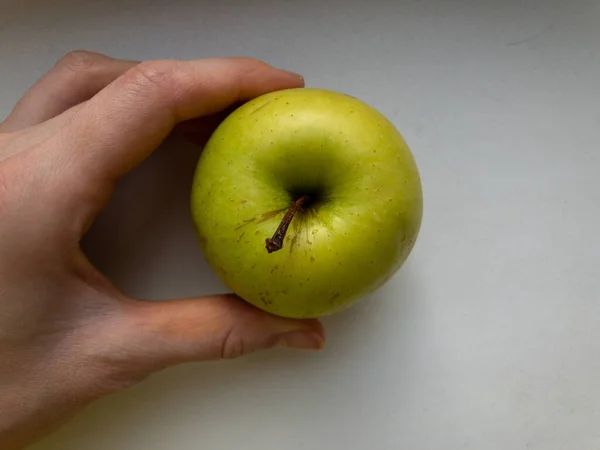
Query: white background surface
(489,337)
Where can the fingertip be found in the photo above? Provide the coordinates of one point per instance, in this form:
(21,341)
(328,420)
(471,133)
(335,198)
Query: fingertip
(308,334)
(301,340)
(297,78)
(318,328)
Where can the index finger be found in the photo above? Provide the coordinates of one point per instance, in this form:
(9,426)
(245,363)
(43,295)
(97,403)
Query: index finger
(126,121)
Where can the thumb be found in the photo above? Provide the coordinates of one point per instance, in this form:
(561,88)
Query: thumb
(210,328)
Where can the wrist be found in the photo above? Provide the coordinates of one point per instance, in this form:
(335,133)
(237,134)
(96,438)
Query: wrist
(36,403)
(26,414)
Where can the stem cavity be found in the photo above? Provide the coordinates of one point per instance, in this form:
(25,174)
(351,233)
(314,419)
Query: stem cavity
(276,242)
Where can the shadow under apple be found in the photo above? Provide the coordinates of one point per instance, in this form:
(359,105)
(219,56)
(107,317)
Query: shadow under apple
(197,393)
(145,243)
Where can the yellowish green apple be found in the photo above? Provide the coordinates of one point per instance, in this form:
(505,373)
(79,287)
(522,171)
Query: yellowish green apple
(305,201)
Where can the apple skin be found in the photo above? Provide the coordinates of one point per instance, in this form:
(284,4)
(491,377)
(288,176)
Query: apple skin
(364,214)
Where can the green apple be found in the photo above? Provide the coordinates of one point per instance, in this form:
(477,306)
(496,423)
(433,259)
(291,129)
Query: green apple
(305,201)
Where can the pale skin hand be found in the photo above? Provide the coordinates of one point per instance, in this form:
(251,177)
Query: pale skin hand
(67,335)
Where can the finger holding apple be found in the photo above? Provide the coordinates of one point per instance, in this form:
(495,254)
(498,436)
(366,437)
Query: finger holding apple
(305,201)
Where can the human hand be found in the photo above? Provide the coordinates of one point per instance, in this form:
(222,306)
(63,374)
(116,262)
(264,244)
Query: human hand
(67,335)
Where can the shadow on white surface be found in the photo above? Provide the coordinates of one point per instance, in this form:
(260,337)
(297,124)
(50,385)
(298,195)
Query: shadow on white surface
(205,395)
(488,338)
(144,242)
(146,232)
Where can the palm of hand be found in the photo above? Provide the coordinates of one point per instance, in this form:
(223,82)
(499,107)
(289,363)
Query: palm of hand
(67,335)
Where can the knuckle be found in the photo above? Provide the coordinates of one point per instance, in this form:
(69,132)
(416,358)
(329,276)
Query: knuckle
(233,346)
(244,66)
(153,75)
(79,61)
(250,69)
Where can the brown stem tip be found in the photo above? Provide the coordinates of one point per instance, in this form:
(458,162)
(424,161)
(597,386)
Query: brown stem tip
(276,242)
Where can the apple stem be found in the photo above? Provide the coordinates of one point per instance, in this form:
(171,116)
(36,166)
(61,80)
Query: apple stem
(276,242)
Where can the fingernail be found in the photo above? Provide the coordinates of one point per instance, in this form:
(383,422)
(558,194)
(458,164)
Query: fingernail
(294,74)
(301,340)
